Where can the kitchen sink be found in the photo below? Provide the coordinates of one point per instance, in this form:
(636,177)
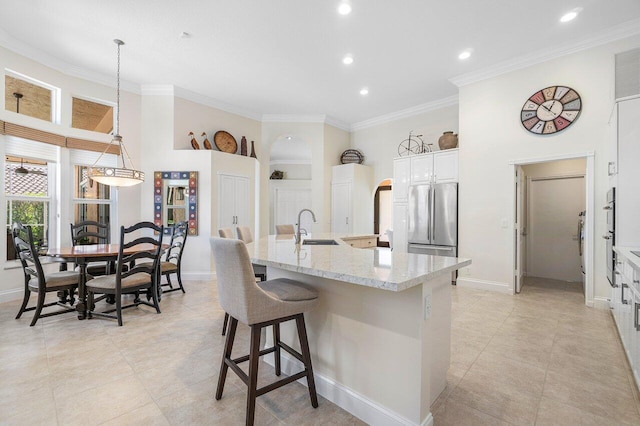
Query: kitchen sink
(311,242)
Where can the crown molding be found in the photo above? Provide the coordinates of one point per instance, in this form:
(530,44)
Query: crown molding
(619,32)
(404,113)
(157,90)
(305,118)
(293,118)
(48,60)
(214,103)
(334,122)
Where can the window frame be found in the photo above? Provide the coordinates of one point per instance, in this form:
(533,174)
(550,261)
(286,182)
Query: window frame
(75,201)
(52,199)
(56,97)
(97,101)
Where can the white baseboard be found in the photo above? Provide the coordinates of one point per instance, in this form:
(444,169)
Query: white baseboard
(199,276)
(11,295)
(484,285)
(601,303)
(360,406)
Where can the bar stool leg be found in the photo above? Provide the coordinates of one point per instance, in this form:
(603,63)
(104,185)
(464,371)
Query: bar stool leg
(228,345)
(276,344)
(306,356)
(224,325)
(254,357)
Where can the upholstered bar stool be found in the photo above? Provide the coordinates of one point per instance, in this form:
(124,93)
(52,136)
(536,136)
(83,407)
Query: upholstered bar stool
(285,230)
(259,305)
(260,271)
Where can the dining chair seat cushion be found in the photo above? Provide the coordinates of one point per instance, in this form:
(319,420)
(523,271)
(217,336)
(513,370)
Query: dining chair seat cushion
(57,279)
(108,282)
(168,267)
(288,290)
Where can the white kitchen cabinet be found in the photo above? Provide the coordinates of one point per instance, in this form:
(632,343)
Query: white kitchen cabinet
(233,201)
(435,167)
(352,193)
(400,213)
(401,179)
(341,207)
(445,166)
(628,174)
(625,303)
(421,168)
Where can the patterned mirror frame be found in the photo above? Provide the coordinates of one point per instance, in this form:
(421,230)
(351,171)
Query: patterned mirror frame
(158,179)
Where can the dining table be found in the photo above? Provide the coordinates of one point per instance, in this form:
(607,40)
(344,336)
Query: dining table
(82,255)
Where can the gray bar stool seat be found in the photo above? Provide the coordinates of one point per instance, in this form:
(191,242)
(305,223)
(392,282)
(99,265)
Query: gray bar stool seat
(267,303)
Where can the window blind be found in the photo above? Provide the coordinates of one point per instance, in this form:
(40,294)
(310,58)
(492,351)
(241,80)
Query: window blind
(88,158)
(87,145)
(27,148)
(34,134)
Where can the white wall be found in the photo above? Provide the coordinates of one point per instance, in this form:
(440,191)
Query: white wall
(292,171)
(165,120)
(493,136)
(379,143)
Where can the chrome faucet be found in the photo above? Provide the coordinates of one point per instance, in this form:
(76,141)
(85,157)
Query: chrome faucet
(298,239)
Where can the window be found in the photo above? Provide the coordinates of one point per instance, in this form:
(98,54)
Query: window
(94,116)
(92,200)
(24,95)
(28,198)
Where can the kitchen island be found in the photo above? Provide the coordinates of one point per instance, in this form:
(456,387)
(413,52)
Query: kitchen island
(380,336)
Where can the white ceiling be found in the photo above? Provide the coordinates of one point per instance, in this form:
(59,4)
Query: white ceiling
(285,56)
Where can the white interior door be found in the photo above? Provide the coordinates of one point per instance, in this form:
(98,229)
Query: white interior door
(340,207)
(554,205)
(519,228)
(288,203)
(226,202)
(242,202)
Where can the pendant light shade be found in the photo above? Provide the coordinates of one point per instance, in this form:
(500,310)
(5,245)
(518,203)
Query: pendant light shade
(116,176)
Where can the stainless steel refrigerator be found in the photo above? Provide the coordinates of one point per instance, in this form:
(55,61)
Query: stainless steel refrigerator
(433,219)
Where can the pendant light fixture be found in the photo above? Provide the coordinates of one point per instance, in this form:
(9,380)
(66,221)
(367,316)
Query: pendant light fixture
(117,176)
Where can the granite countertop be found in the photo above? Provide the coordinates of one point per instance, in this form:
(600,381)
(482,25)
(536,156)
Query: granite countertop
(626,253)
(378,268)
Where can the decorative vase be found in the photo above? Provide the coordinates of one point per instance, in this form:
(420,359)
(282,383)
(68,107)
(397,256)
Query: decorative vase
(243,146)
(253,151)
(448,140)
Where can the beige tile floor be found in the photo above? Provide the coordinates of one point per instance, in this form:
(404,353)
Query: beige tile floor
(540,357)
(537,358)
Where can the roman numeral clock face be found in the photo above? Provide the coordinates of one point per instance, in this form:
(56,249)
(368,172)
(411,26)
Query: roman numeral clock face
(551,110)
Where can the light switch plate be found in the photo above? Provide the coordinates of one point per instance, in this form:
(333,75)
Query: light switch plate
(427,306)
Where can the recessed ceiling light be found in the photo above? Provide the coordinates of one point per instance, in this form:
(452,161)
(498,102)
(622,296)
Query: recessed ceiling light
(347,60)
(465,54)
(344,8)
(364,91)
(571,15)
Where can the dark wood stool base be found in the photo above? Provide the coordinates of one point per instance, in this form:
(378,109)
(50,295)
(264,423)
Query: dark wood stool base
(255,353)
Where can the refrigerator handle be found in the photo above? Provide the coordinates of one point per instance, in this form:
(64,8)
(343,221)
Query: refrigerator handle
(429,210)
(432,218)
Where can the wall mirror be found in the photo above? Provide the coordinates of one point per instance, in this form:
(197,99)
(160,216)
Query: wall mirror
(175,199)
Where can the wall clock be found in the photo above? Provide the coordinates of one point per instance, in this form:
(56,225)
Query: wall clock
(551,110)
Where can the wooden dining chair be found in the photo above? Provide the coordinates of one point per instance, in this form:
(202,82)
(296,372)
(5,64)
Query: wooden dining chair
(173,259)
(285,230)
(37,281)
(142,274)
(92,232)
